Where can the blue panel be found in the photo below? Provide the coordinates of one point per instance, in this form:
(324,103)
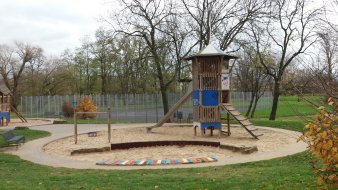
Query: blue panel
(216,125)
(210,97)
(4,115)
(195,98)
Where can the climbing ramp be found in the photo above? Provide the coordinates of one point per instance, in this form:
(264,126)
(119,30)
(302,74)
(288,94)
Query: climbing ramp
(172,110)
(245,123)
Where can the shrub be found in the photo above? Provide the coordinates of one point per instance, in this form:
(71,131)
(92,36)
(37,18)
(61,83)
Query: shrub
(86,105)
(321,136)
(67,109)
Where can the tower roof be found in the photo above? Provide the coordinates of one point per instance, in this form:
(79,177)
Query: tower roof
(210,50)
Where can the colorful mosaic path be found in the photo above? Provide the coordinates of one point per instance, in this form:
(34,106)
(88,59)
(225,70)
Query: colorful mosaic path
(155,162)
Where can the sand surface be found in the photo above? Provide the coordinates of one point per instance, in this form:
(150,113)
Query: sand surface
(271,141)
(30,122)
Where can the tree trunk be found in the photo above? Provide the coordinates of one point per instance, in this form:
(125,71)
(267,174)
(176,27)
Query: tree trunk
(103,85)
(250,105)
(164,97)
(15,100)
(254,106)
(160,77)
(276,94)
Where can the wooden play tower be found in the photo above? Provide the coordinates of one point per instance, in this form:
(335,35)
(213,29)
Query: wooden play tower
(210,92)
(210,73)
(5,105)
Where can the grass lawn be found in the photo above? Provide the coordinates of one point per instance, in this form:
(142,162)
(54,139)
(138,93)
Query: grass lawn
(290,106)
(28,133)
(291,172)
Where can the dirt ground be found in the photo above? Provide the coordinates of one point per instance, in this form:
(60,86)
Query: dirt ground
(271,141)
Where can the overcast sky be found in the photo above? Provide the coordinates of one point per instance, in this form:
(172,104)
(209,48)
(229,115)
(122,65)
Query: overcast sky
(54,25)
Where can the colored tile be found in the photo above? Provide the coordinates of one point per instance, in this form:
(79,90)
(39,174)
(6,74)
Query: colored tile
(137,162)
(193,160)
(149,162)
(123,162)
(142,162)
(130,162)
(107,162)
(198,160)
(115,162)
(205,159)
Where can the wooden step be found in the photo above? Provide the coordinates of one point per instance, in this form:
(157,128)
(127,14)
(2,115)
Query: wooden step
(246,123)
(234,113)
(240,118)
(229,108)
(252,127)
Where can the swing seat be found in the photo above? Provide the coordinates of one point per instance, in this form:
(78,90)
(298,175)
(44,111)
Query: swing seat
(92,134)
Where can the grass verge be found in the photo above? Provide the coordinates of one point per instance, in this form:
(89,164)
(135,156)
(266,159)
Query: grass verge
(28,133)
(291,172)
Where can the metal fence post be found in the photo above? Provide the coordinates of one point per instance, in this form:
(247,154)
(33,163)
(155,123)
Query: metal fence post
(75,127)
(156,108)
(109,125)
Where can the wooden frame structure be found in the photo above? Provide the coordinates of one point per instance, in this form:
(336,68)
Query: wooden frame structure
(108,121)
(209,93)
(5,103)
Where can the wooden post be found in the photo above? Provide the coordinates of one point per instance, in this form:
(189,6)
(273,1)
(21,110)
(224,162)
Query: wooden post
(2,105)
(228,122)
(75,127)
(109,125)
(8,109)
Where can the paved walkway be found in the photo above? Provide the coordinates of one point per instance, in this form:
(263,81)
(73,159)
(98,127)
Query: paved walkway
(32,150)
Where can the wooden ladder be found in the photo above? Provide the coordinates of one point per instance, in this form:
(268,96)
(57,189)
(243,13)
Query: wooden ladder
(245,123)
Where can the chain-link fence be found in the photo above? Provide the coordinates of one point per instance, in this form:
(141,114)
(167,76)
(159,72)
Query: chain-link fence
(129,107)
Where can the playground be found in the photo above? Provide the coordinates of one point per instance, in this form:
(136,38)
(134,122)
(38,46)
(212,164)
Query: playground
(204,142)
(218,135)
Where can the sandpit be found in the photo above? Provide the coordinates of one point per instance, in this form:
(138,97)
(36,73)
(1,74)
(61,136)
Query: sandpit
(270,143)
(30,122)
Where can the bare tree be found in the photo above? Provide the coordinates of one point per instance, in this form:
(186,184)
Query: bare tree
(146,20)
(289,32)
(86,68)
(329,47)
(103,55)
(222,19)
(13,63)
(252,77)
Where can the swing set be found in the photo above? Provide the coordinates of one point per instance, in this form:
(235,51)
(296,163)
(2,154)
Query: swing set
(92,133)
